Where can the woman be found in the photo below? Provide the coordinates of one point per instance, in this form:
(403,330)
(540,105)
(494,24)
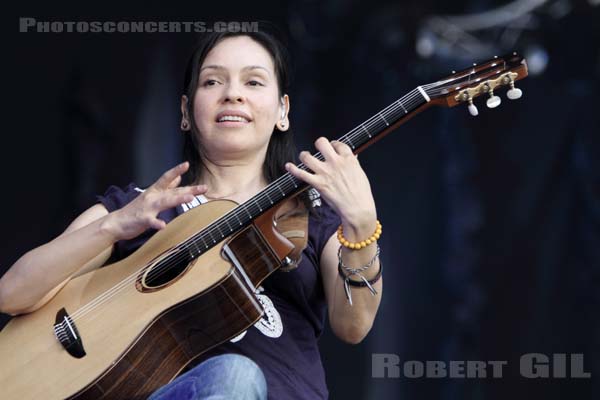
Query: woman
(237,140)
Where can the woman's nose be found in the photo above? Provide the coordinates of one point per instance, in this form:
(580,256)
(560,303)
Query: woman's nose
(233,94)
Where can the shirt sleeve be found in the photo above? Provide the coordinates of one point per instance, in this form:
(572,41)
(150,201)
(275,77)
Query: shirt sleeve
(115,197)
(322,225)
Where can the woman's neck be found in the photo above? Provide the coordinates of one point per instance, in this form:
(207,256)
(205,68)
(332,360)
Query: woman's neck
(233,180)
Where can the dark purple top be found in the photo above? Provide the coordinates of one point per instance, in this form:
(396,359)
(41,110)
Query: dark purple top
(284,342)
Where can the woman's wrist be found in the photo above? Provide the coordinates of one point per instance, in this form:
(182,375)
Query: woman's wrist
(359,226)
(109,229)
(362,276)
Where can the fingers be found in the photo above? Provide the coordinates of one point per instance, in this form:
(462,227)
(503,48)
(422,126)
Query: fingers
(166,180)
(157,224)
(174,197)
(168,194)
(301,174)
(342,148)
(331,150)
(142,213)
(311,161)
(323,145)
(339,161)
(175,182)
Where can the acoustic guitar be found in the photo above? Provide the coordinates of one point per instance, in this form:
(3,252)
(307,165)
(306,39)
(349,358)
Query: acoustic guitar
(124,330)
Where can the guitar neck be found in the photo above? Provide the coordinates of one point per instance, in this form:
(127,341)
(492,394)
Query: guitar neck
(287,186)
(358,139)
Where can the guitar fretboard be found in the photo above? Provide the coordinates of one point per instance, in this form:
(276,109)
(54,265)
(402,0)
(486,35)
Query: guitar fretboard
(287,185)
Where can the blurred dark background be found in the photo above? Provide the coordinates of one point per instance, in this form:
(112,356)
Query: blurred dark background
(492,224)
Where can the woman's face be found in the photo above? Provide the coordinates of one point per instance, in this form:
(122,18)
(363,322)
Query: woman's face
(237,101)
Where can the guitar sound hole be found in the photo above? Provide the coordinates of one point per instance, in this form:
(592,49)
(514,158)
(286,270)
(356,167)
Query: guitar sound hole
(164,271)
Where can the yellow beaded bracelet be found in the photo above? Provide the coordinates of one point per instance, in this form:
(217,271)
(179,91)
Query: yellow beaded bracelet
(359,245)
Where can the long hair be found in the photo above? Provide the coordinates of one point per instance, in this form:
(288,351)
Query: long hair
(281,148)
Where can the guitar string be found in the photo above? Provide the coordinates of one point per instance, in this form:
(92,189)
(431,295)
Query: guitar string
(410,100)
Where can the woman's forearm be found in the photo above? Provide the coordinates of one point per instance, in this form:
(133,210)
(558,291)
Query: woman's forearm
(353,322)
(42,269)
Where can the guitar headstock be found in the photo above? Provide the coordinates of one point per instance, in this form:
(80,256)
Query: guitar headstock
(463,86)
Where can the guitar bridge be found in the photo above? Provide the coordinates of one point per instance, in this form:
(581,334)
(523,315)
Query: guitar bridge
(67,334)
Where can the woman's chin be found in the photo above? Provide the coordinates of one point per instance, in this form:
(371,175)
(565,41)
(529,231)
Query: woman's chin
(232,146)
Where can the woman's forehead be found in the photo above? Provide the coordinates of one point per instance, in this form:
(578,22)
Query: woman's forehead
(240,53)
(247,68)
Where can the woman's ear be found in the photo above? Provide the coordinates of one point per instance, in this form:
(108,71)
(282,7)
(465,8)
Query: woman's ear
(185,120)
(283,124)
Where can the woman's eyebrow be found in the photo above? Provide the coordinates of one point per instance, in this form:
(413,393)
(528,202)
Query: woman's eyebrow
(247,68)
(251,67)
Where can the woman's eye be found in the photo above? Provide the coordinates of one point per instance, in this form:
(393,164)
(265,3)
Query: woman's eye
(255,83)
(209,82)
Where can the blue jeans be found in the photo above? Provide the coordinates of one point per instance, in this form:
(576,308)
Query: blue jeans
(223,377)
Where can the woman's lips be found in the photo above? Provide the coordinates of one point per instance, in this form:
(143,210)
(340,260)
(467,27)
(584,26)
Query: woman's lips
(232,124)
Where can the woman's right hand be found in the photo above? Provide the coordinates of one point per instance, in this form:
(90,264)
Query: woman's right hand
(141,213)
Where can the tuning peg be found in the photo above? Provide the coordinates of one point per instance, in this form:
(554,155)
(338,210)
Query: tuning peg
(473,108)
(514,93)
(494,101)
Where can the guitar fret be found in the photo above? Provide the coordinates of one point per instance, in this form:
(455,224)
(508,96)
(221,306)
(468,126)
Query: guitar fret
(282,192)
(366,130)
(238,218)
(211,236)
(269,197)
(259,207)
(204,241)
(350,142)
(196,249)
(384,120)
(292,180)
(402,105)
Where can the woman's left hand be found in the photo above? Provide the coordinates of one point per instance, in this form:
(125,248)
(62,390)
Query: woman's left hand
(341,181)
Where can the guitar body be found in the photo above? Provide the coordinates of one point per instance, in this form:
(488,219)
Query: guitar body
(139,338)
